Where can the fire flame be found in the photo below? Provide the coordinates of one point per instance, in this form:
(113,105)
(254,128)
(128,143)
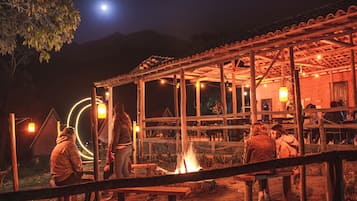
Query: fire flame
(188,162)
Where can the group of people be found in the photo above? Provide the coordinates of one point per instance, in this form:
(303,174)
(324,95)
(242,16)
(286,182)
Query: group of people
(65,161)
(261,147)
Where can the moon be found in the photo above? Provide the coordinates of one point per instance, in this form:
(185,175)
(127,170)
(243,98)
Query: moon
(104,7)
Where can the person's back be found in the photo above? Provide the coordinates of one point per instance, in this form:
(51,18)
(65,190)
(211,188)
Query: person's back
(287,146)
(260,148)
(65,161)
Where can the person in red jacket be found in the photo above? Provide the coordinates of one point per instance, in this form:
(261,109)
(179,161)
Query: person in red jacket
(260,147)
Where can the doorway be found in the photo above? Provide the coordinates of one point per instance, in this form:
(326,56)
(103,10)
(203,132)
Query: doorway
(266,106)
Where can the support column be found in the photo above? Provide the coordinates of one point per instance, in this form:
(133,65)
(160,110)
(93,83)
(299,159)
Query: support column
(184,139)
(243,101)
(253,97)
(299,121)
(94,131)
(141,115)
(110,114)
(198,106)
(223,101)
(175,87)
(15,173)
(353,70)
(234,90)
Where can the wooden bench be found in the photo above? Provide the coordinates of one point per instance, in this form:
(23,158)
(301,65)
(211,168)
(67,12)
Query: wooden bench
(249,179)
(150,167)
(171,191)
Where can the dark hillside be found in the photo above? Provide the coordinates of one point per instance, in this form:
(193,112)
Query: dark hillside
(69,75)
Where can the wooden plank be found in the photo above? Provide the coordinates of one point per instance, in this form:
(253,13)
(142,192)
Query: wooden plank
(144,165)
(163,190)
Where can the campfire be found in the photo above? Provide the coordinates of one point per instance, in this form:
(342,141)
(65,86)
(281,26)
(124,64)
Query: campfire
(187,162)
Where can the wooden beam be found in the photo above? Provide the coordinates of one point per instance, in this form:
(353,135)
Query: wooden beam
(198,105)
(184,137)
(336,42)
(299,121)
(234,90)
(270,66)
(94,132)
(141,115)
(110,115)
(176,105)
(353,74)
(253,96)
(223,101)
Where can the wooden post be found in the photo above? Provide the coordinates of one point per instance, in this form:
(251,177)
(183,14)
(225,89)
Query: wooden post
(15,174)
(110,114)
(248,196)
(299,121)
(253,97)
(353,70)
(134,143)
(198,106)
(223,101)
(141,115)
(322,135)
(176,114)
(234,90)
(184,142)
(94,132)
(243,100)
(339,180)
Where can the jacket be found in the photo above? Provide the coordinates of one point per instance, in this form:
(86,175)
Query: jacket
(122,136)
(286,146)
(65,159)
(260,148)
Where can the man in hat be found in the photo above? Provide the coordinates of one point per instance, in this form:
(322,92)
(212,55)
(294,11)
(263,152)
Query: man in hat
(65,162)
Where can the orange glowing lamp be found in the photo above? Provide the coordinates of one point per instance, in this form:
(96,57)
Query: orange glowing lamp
(31,127)
(283,94)
(102,111)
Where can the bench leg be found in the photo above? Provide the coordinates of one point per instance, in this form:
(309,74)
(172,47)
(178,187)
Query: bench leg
(171,197)
(121,196)
(286,188)
(248,194)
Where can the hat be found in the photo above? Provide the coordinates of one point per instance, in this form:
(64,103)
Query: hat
(67,131)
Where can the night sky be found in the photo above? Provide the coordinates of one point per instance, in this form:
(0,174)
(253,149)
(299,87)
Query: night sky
(183,18)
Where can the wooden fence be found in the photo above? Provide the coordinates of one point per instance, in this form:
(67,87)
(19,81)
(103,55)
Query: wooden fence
(333,159)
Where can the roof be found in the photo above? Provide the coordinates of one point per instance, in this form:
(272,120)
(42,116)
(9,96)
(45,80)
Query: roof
(332,37)
(44,130)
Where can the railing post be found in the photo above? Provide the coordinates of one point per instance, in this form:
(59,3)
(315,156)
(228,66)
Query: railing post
(339,180)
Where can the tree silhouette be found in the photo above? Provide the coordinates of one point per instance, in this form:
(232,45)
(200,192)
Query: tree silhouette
(27,27)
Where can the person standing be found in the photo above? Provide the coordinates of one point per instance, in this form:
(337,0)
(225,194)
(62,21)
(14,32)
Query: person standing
(121,145)
(65,162)
(260,147)
(286,147)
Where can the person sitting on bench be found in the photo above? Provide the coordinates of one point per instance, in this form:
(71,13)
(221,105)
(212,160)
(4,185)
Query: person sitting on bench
(260,147)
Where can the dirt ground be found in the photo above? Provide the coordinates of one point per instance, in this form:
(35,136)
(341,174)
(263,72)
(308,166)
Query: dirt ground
(229,189)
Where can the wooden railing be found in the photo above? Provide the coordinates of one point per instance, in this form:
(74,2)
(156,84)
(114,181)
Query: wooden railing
(332,159)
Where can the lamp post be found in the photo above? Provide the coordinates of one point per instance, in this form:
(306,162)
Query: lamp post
(12,124)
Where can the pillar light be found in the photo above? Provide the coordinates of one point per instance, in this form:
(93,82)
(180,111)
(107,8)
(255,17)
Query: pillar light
(102,111)
(283,94)
(31,127)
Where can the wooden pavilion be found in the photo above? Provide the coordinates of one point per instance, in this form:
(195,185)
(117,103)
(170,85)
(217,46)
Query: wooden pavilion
(315,60)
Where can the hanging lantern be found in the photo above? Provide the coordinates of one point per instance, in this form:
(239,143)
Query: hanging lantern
(31,127)
(102,111)
(283,94)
